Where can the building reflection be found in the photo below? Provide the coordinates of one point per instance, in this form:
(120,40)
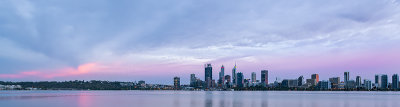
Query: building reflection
(222,99)
(237,101)
(208,99)
(194,99)
(264,100)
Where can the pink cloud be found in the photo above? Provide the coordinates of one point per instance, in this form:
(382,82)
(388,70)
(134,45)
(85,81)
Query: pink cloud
(68,71)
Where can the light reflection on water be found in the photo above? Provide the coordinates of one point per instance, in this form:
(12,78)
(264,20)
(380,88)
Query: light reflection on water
(197,99)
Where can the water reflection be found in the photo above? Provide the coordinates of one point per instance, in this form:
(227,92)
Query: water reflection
(84,100)
(264,100)
(208,99)
(197,99)
(237,100)
(222,99)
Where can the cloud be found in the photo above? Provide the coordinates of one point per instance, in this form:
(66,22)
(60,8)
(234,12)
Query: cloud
(48,74)
(56,38)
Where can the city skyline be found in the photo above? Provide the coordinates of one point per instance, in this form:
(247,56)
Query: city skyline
(346,76)
(155,41)
(240,82)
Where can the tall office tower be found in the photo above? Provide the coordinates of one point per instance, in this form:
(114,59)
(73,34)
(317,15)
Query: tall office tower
(312,82)
(384,81)
(221,79)
(213,84)
(316,77)
(335,82)
(300,81)
(378,81)
(346,77)
(395,81)
(240,80)
(367,84)
(246,83)
(264,77)
(228,80)
(293,83)
(324,85)
(253,77)
(192,80)
(285,83)
(234,76)
(358,81)
(208,75)
(177,82)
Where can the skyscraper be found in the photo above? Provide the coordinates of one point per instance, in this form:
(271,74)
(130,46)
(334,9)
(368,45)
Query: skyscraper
(253,77)
(177,82)
(367,84)
(351,84)
(264,77)
(346,77)
(293,83)
(234,75)
(316,77)
(221,75)
(378,81)
(384,81)
(192,80)
(358,81)
(240,80)
(311,82)
(246,82)
(208,75)
(228,81)
(324,85)
(300,81)
(335,82)
(395,81)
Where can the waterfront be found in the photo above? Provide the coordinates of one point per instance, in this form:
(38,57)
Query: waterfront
(198,99)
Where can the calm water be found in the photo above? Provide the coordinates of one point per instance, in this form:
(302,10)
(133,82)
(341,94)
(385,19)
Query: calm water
(197,99)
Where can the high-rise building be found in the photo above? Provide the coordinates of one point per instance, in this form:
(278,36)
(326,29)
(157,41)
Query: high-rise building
(358,81)
(395,81)
(293,83)
(208,75)
(192,80)
(285,83)
(384,81)
(311,82)
(234,75)
(221,79)
(367,84)
(378,81)
(240,80)
(316,77)
(346,77)
(335,82)
(351,84)
(264,77)
(253,77)
(177,82)
(228,81)
(246,83)
(324,85)
(300,81)
(213,84)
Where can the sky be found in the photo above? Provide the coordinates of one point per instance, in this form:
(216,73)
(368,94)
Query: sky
(153,40)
